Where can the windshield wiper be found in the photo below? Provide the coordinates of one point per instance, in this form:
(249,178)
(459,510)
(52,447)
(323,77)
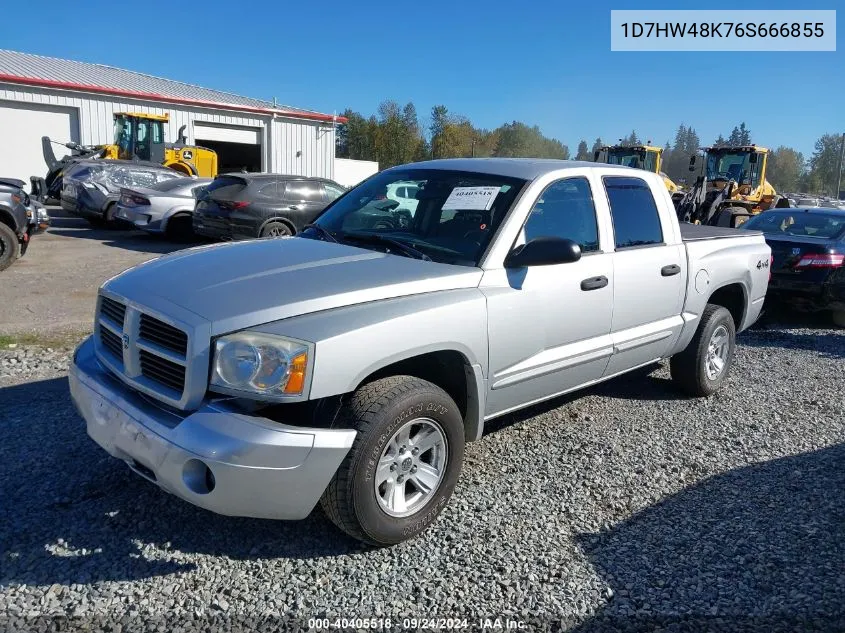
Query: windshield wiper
(402,247)
(322,231)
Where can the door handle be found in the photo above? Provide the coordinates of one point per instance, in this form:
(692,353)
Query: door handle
(671,269)
(594,283)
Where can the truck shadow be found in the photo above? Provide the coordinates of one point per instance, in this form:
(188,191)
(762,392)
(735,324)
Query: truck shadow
(73,514)
(756,548)
(127,239)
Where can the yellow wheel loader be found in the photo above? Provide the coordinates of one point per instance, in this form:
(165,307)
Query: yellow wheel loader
(646,157)
(141,136)
(137,136)
(731,189)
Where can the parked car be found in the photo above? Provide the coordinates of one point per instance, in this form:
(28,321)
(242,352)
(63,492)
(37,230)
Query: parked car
(91,188)
(808,247)
(165,207)
(350,367)
(244,206)
(12,194)
(15,224)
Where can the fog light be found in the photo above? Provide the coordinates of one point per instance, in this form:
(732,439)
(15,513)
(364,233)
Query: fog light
(198,477)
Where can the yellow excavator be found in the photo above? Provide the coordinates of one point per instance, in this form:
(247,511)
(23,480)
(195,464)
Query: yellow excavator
(731,189)
(647,157)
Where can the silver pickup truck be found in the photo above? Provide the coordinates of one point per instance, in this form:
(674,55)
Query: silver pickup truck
(350,364)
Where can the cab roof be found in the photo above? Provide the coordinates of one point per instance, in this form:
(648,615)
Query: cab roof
(525,168)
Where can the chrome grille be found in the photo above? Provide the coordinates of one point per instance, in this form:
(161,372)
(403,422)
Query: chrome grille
(163,334)
(162,370)
(113,310)
(143,350)
(112,343)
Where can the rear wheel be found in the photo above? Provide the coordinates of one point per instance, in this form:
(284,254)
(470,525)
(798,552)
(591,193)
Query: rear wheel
(703,366)
(275,229)
(108,216)
(404,463)
(180,228)
(9,246)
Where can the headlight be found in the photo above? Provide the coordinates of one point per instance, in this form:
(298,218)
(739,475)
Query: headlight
(261,364)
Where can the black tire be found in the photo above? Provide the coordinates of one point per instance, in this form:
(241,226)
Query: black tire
(689,367)
(9,247)
(108,216)
(180,228)
(377,411)
(275,229)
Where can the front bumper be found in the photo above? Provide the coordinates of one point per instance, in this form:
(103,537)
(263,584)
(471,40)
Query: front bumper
(216,457)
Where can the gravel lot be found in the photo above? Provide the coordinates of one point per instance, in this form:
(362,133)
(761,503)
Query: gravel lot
(622,508)
(72,258)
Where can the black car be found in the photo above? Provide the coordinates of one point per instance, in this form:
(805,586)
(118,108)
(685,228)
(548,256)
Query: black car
(808,252)
(91,187)
(244,206)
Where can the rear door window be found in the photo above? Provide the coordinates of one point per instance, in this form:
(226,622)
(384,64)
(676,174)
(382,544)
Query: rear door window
(303,191)
(636,221)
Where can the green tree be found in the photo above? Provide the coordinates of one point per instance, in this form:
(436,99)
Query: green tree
(824,164)
(583,151)
(785,169)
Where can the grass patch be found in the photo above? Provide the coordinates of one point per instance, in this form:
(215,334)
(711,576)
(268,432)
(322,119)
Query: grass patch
(52,339)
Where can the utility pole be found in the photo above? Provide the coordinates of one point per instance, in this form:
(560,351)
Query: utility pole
(839,169)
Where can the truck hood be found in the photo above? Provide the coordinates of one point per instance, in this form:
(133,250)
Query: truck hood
(243,284)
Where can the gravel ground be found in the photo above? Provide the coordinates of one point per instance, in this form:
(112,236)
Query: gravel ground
(622,508)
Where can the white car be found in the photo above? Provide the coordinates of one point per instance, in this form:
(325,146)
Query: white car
(405,194)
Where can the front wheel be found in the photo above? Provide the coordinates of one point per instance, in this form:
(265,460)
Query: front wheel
(9,246)
(404,463)
(703,366)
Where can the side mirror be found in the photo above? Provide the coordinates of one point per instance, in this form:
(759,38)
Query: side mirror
(544,251)
(596,156)
(753,159)
(692,163)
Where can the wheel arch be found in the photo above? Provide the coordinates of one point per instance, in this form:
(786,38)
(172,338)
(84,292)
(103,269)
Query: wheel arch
(8,219)
(733,297)
(449,369)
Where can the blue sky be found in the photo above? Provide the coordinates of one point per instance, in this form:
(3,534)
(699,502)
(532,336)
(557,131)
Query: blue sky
(544,63)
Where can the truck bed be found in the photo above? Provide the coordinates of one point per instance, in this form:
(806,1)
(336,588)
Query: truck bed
(698,232)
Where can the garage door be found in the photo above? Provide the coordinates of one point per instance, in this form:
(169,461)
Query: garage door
(21,127)
(238,148)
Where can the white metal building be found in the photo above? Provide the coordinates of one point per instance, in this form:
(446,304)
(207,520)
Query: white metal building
(74,101)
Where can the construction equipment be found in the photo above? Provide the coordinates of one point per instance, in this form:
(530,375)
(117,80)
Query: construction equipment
(137,136)
(647,157)
(731,189)
(141,136)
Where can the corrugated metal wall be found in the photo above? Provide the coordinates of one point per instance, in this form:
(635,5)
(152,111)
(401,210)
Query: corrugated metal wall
(303,148)
(282,138)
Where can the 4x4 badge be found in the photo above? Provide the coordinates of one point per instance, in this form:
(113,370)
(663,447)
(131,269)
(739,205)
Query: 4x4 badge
(125,341)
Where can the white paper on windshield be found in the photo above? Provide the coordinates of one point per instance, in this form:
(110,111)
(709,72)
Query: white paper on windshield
(474,198)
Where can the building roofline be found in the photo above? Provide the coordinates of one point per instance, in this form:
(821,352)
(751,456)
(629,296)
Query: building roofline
(66,85)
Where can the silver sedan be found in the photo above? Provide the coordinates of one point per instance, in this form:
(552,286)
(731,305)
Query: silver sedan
(165,207)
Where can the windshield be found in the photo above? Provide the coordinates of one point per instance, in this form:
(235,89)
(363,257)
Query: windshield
(123,133)
(801,223)
(637,158)
(449,216)
(729,166)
